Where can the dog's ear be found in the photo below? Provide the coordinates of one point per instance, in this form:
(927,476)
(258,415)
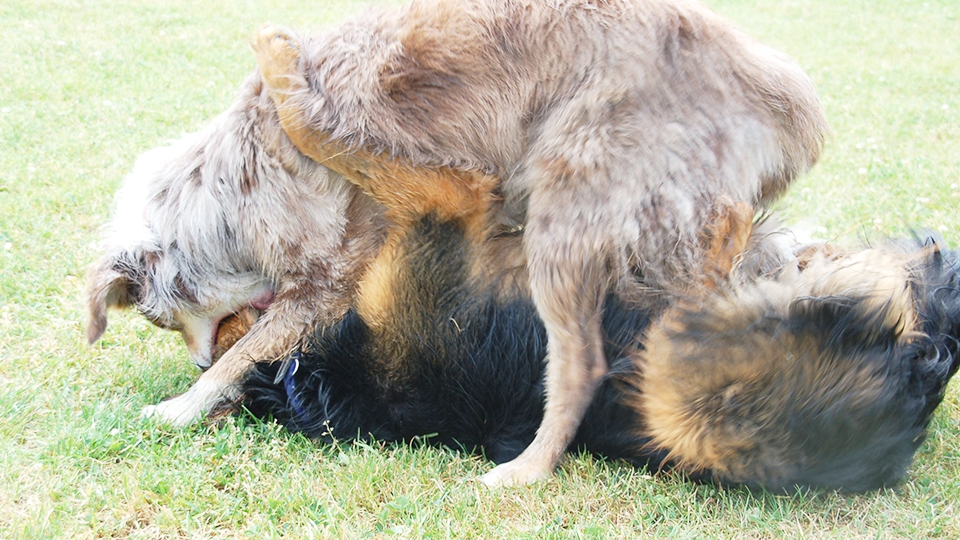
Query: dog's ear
(108,288)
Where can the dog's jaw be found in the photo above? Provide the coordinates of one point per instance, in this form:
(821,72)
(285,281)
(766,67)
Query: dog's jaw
(200,332)
(200,335)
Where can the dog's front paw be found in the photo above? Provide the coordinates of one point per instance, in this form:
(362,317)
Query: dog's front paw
(278,55)
(175,412)
(519,472)
(189,407)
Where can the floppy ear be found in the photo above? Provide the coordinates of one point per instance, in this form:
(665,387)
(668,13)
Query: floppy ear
(108,288)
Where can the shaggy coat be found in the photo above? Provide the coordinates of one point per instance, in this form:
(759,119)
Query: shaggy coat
(827,377)
(611,128)
(229,218)
(823,372)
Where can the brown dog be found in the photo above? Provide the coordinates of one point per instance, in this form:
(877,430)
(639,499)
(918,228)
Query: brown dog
(611,127)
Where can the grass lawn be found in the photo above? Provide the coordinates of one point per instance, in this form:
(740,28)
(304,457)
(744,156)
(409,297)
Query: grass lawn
(89,84)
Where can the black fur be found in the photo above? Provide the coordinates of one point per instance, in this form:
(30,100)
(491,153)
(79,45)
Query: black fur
(465,370)
(461,367)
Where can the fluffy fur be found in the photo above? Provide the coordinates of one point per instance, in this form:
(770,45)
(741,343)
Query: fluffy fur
(229,218)
(822,372)
(821,377)
(610,128)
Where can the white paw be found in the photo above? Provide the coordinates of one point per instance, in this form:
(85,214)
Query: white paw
(176,412)
(188,407)
(518,472)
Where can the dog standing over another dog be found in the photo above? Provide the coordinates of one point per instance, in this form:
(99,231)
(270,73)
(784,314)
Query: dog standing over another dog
(611,127)
(234,216)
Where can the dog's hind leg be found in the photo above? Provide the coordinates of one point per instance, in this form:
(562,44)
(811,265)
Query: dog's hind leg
(408,193)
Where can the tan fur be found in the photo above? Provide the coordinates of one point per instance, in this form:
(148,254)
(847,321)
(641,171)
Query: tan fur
(880,277)
(691,401)
(726,239)
(233,328)
(612,128)
(464,198)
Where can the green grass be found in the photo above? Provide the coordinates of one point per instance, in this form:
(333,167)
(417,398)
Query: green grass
(88,85)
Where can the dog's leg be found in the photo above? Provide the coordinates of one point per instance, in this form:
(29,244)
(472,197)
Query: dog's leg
(575,225)
(271,337)
(296,309)
(216,386)
(408,193)
(569,277)
(575,365)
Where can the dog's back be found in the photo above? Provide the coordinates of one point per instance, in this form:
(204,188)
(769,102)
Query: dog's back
(825,375)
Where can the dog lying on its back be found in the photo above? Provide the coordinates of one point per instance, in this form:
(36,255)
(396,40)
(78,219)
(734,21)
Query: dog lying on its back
(610,127)
(815,369)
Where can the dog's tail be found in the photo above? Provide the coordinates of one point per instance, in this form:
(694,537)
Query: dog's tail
(827,378)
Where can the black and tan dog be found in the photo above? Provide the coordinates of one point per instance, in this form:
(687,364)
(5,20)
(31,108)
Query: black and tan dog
(815,370)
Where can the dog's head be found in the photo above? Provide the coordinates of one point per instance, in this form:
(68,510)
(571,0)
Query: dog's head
(174,285)
(201,224)
(148,281)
